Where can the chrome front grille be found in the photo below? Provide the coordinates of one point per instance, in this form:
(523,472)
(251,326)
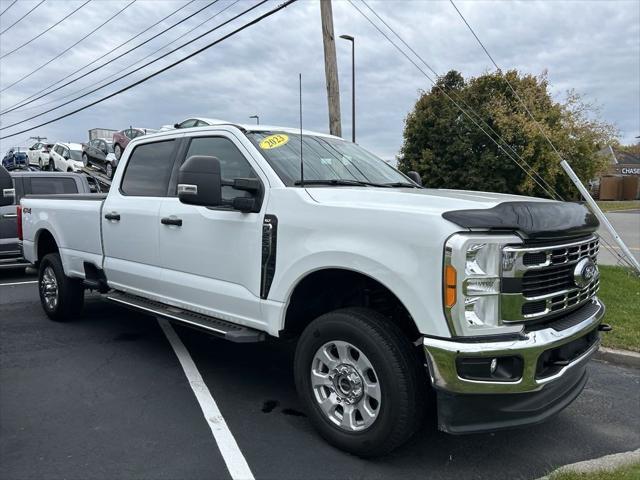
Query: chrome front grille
(539,281)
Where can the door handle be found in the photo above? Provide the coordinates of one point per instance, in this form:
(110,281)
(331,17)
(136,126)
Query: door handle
(113,216)
(10,215)
(171,221)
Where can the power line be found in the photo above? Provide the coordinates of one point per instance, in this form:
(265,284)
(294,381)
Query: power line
(508,82)
(465,112)
(45,31)
(168,67)
(122,69)
(20,19)
(547,187)
(5,10)
(31,99)
(137,69)
(69,48)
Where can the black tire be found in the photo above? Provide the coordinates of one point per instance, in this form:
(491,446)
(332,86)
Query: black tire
(85,160)
(109,172)
(398,369)
(117,151)
(70,291)
(52,165)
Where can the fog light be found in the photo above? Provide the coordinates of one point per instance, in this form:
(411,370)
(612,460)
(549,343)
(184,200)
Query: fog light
(494,365)
(498,369)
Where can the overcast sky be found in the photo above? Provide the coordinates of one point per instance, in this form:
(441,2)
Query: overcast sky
(590,46)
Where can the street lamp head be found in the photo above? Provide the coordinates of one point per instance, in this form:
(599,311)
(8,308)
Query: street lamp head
(347,37)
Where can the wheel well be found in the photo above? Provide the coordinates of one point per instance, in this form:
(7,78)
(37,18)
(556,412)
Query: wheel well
(325,290)
(46,244)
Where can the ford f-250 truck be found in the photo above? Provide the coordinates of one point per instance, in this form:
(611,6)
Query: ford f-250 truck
(393,291)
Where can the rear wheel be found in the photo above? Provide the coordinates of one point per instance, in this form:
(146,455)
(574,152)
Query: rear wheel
(117,151)
(109,170)
(41,164)
(52,165)
(360,380)
(85,160)
(61,297)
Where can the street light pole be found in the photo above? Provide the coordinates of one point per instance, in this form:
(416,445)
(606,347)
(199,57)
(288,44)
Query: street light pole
(353,85)
(257,117)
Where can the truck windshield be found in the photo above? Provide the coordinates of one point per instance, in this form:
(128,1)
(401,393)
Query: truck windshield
(326,160)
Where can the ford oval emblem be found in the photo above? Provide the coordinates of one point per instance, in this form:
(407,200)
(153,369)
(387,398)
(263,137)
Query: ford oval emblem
(586,271)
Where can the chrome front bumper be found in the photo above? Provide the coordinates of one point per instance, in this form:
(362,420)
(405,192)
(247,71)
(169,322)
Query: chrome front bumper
(441,355)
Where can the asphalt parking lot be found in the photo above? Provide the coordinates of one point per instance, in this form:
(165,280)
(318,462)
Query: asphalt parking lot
(105,397)
(627,224)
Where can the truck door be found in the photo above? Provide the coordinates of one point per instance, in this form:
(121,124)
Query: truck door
(130,221)
(211,256)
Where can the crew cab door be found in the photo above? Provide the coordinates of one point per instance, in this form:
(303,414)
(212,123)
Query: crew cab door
(130,221)
(211,257)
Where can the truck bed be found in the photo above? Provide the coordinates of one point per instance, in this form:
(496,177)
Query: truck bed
(74,220)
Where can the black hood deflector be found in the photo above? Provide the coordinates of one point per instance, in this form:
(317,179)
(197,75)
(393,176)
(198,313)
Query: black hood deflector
(532,220)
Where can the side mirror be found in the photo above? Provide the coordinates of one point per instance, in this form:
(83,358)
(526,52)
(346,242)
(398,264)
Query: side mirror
(8,193)
(176,125)
(415,176)
(199,181)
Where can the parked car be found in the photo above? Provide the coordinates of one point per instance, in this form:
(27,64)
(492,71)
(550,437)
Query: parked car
(193,122)
(16,185)
(66,157)
(397,294)
(99,153)
(122,138)
(38,154)
(14,159)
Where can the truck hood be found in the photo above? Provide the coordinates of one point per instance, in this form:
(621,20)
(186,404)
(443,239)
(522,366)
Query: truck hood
(533,218)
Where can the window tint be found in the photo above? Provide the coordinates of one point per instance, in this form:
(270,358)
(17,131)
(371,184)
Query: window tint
(148,170)
(52,185)
(232,162)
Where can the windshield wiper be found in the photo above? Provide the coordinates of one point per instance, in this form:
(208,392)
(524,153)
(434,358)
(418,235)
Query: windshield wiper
(342,182)
(402,184)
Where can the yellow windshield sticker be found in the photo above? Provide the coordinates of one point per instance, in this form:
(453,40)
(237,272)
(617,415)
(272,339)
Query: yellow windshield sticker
(274,141)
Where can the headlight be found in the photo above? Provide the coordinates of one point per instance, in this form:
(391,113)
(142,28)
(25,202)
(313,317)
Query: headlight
(471,283)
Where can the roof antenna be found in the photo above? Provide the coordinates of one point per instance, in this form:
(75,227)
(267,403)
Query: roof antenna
(301,161)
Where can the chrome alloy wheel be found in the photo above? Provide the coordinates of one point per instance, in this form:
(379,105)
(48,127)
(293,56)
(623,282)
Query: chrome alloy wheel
(346,386)
(49,288)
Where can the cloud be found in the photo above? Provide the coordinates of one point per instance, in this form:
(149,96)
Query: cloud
(591,46)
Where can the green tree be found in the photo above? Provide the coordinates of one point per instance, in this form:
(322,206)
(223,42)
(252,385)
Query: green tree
(448,150)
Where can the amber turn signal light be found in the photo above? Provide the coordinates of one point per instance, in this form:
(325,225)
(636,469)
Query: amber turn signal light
(450,282)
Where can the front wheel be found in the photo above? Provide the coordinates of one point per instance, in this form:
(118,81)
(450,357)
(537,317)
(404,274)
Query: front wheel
(117,151)
(52,165)
(109,169)
(360,380)
(85,160)
(61,297)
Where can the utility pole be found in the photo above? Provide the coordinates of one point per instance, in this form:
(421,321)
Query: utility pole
(331,68)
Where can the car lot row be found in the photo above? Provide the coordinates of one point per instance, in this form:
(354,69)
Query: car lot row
(101,153)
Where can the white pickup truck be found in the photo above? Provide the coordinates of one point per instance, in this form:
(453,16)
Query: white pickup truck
(480,304)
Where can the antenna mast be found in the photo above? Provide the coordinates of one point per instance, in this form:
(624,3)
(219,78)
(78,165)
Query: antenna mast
(301,161)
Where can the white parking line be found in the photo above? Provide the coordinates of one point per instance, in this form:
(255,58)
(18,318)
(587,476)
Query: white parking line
(17,283)
(235,461)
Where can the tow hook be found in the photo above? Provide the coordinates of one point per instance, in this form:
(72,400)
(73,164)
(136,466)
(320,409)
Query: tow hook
(604,327)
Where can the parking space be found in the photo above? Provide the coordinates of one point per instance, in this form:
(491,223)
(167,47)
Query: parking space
(106,397)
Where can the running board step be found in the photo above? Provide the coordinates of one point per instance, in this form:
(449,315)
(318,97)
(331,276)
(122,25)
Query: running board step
(227,330)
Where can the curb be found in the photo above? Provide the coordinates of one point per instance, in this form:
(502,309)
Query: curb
(618,357)
(606,463)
